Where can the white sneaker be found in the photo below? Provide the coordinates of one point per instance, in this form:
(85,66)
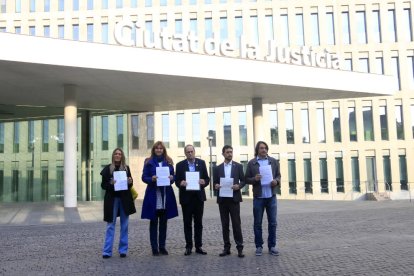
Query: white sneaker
(259,251)
(273,251)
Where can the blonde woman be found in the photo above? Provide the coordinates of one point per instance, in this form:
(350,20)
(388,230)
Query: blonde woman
(116,204)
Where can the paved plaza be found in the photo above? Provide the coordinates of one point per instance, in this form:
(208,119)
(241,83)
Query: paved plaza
(314,238)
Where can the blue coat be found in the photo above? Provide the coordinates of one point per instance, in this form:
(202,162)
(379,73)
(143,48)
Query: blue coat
(149,206)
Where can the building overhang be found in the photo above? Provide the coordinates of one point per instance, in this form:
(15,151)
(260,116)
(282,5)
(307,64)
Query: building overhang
(34,70)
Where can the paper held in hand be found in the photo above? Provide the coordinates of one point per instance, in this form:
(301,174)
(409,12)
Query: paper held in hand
(225,187)
(163,174)
(266,173)
(192,179)
(121,181)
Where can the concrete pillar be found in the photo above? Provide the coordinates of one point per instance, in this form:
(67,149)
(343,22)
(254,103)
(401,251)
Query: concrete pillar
(70,160)
(257,111)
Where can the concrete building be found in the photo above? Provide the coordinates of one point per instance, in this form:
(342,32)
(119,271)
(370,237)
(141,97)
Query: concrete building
(181,71)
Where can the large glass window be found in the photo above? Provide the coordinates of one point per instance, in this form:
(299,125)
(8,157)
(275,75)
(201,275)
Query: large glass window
(307,175)
(274,129)
(45,135)
(75,5)
(243,128)
(238,29)
(305,125)
(315,29)
(46,31)
(29,184)
(32,7)
(347,65)
(150,130)
(336,124)
(15,184)
(105,33)
(330,28)
(211,124)
(208,26)
(75,32)
(300,35)
(383,122)
(180,130)
(320,115)
(120,4)
(355,174)
(412,119)
(89,32)
(224,33)
(166,130)
(61,5)
(387,172)
(376,27)
(290,133)
(134,132)
(352,124)
(285,30)
(149,34)
(346,35)
(361,27)
(196,129)
(395,67)
(59,183)
(16,135)
(120,131)
(89,4)
(254,27)
(104,4)
(399,121)
(339,169)
(368,125)
(227,127)
(30,136)
(1,137)
(105,133)
(32,30)
(407,25)
(178,26)
(323,173)
(364,65)
(3,6)
(392,26)
(61,31)
(379,65)
(292,175)
(18,7)
(269,27)
(403,172)
(44,178)
(60,134)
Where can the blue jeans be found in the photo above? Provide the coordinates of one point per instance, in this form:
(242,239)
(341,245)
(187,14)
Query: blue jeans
(259,205)
(162,217)
(110,230)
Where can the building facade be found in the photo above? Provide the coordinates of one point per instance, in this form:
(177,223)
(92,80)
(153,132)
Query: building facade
(329,149)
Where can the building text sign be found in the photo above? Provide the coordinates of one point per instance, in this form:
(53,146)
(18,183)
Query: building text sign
(218,47)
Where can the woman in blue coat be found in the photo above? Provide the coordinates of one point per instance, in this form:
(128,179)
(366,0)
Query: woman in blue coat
(159,201)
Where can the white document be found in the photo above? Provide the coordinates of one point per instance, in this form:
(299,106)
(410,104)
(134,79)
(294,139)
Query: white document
(266,173)
(121,181)
(225,187)
(192,179)
(163,174)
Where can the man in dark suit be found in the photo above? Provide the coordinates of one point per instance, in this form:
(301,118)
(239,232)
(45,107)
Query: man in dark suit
(192,201)
(230,205)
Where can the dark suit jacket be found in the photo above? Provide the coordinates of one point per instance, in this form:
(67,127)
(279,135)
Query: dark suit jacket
(180,169)
(238,176)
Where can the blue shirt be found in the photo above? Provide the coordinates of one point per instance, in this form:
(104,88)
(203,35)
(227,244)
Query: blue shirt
(266,189)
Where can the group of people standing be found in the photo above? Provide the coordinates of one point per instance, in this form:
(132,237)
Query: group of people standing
(191,178)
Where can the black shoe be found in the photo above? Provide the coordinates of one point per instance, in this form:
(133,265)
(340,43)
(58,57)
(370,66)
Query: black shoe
(155,252)
(199,250)
(225,253)
(122,255)
(106,256)
(240,253)
(163,251)
(187,251)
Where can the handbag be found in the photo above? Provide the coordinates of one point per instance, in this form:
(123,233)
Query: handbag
(134,193)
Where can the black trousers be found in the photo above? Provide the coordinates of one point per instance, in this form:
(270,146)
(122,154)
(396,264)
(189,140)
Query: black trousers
(231,210)
(193,210)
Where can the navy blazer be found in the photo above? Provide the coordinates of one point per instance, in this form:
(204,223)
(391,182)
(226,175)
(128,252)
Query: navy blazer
(180,170)
(238,178)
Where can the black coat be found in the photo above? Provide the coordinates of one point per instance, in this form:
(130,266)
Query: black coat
(180,169)
(126,196)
